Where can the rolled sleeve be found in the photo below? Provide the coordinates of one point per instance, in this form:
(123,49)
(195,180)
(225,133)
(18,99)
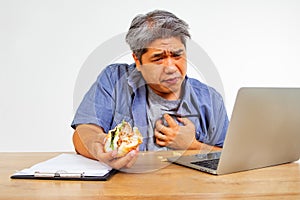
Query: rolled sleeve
(97,105)
(219,121)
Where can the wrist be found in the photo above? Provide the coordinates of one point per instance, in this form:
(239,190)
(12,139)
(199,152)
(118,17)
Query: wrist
(196,145)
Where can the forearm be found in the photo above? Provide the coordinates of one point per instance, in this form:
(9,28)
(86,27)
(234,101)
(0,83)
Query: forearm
(85,137)
(196,145)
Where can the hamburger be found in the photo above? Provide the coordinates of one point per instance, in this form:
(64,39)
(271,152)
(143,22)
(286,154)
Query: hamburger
(123,138)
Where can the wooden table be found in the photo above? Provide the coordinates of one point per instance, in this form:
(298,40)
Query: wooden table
(160,180)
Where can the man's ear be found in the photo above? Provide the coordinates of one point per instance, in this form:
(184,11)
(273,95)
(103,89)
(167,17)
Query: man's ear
(137,61)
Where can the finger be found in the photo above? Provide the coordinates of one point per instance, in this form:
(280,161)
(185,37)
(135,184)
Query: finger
(95,149)
(158,124)
(133,154)
(185,121)
(124,161)
(160,142)
(159,127)
(102,138)
(171,122)
(108,157)
(160,136)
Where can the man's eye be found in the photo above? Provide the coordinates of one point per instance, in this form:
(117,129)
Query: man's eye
(176,55)
(157,59)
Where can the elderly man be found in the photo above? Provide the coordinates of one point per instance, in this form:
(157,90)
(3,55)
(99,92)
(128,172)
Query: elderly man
(154,94)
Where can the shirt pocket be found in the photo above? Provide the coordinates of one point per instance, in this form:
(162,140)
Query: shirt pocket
(119,117)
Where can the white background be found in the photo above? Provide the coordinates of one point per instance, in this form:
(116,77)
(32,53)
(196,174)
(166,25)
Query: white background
(43,45)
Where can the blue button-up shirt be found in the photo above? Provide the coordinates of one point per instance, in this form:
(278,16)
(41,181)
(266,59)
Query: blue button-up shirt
(120,93)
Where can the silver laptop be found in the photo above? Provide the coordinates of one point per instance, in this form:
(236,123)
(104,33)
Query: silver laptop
(264,130)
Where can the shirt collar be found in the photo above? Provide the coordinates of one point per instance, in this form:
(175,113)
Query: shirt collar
(186,105)
(135,78)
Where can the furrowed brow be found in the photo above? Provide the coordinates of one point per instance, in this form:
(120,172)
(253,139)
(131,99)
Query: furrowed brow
(157,55)
(177,52)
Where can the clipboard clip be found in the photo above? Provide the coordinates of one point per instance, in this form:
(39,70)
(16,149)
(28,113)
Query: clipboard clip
(58,174)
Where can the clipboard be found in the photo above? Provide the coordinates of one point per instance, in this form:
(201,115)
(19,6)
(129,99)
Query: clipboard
(67,167)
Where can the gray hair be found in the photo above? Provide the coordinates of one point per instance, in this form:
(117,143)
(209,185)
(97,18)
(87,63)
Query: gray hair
(157,24)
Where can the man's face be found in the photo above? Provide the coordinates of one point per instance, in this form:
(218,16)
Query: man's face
(164,67)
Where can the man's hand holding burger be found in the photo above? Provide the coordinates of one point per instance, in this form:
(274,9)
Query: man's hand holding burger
(89,140)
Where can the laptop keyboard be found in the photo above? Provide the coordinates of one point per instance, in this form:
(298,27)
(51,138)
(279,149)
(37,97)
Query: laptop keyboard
(211,164)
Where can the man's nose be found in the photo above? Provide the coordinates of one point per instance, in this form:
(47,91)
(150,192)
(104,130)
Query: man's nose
(169,65)
(168,61)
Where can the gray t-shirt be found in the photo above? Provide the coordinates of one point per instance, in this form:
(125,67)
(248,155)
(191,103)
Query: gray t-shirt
(156,107)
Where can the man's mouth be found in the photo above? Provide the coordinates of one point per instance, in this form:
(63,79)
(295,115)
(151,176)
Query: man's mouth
(171,81)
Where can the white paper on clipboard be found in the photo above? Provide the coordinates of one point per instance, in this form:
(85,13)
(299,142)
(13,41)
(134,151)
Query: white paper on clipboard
(67,164)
